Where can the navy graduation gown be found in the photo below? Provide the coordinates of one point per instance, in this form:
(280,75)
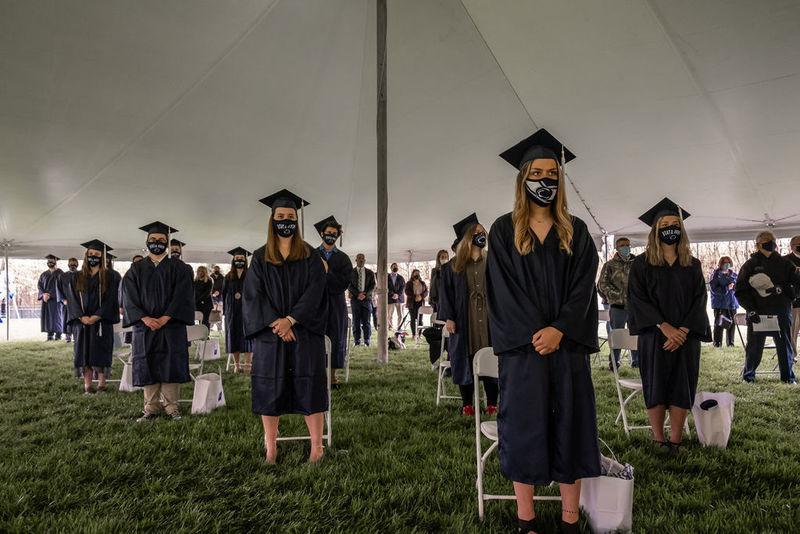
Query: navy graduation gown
(63,287)
(340,269)
(676,295)
(234,321)
(287,377)
(547,423)
(160,356)
(454,306)
(94,344)
(52,316)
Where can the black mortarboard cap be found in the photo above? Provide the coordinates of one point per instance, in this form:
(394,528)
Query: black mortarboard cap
(326,222)
(96,244)
(110,256)
(51,257)
(284,199)
(157,228)
(542,144)
(664,207)
(178,242)
(239,251)
(461,226)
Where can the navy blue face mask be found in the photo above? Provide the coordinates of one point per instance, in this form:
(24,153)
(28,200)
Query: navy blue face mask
(157,248)
(239,264)
(541,192)
(285,228)
(330,239)
(479,240)
(93,261)
(769,246)
(670,235)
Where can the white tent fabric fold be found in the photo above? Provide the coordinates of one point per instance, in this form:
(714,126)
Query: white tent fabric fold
(188,111)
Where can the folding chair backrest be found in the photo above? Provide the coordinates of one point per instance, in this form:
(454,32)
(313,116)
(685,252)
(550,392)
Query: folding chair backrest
(740,319)
(118,329)
(328,345)
(603,315)
(196,332)
(485,363)
(621,339)
(198,317)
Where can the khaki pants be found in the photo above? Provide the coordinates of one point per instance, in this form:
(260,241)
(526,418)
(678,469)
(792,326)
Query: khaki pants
(158,395)
(795,329)
(395,309)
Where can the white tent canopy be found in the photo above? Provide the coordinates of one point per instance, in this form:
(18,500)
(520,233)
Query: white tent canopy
(114,113)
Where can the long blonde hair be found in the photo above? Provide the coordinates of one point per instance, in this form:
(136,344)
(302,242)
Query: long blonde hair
(202,274)
(298,250)
(81,283)
(562,220)
(653,251)
(464,250)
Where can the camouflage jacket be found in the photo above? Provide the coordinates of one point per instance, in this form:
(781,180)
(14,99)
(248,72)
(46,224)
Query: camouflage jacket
(613,283)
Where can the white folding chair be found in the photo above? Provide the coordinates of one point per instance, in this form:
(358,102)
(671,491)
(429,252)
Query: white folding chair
(327,434)
(621,339)
(485,364)
(196,333)
(444,365)
(119,343)
(740,320)
(423,311)
(198,317)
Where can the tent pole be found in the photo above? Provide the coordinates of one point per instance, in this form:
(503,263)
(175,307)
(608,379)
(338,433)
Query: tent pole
(383,197)
(6,246)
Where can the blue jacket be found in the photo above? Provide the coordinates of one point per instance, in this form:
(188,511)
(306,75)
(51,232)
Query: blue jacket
(723,298)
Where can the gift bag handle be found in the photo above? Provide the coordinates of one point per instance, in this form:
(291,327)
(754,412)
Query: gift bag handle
(614,456)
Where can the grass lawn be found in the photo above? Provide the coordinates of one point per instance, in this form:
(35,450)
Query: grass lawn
(70,463)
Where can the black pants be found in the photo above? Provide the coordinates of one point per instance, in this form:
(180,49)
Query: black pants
(413,310)
(206,309)
(362,312)
(723,321)
(783,348)
(489,386)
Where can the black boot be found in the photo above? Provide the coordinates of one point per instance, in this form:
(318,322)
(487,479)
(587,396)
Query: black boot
(525,526)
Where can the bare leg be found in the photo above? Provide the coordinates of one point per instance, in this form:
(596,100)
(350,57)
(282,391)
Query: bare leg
(315,422)
(236,367)
(656,416)
(570,501)
(524,493)
(101,380)
(87,379)
(677,417)
(248,362)
(270,437)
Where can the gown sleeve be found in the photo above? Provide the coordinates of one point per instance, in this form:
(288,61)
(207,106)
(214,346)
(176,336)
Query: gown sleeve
(309,308)
(577,316)
(339,272)
(696,319)
(513,317)
(73,310)
(257,309)
(643,312)
(446,297)
(181,305)
(132,307)
(42,287)
(109,305)
(744,292)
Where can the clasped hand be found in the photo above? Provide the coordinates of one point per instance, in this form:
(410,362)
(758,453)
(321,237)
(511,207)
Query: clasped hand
(547,340)
(155,324)
(283,329)
(675,336)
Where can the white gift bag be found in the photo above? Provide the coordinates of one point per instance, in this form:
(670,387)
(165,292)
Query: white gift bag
(208,393)
(126,380)
(713,425)
(608,503)
(208,350)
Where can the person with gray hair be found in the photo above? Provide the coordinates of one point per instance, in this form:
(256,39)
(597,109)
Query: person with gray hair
(766,287)
(794,258)
(613,285)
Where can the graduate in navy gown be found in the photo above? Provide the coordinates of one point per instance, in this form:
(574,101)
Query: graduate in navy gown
(92,312)
(340,270)
(667,298)
(63,285)
(52,313)
(285,315)
(232,291)
(159,305)
(542,265)
(463,307)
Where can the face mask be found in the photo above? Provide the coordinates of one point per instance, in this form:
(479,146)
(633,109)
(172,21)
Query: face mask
(726,266)
(797,248)
(93,261)
(415,277)
(625,251)
(479,240)
(73,268)
(670,235)
(541,192)
(156,248)
(239,264)
(443,259)
(51,264)
(769,246)
(395,269)
(285,228)
(330,239)
(176,255)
